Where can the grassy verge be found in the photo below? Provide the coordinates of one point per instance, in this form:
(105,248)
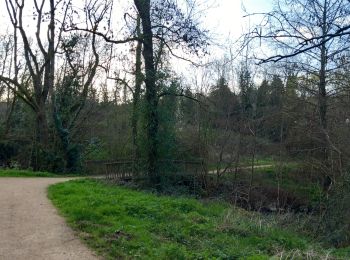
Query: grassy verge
(291,180)
(25,173)
(29,173)
(122,223)
(244,163)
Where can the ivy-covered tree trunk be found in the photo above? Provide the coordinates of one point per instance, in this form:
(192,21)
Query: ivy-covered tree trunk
(41,140)
(144,9)
(71,150)
(42,134)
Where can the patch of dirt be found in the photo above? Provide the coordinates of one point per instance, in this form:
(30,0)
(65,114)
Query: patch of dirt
(118,235)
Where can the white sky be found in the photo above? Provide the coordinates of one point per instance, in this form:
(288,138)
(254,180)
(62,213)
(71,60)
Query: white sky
(227,15)
(224,18)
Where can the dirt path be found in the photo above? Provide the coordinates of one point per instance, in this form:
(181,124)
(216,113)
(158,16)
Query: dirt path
(30,227)
(245,168)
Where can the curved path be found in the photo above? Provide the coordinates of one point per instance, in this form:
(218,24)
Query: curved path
(30,227)
(243,168)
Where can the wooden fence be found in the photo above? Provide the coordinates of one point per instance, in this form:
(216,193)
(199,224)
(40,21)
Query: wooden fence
(128,169)
(95,168)
(124,170)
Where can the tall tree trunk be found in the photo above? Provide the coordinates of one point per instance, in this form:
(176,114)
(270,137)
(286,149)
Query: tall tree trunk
(41,139)
(144,9)
(322,98)
(322,92)
(322,101)
(42,127)
(137,92)
(16,68)
(42,90)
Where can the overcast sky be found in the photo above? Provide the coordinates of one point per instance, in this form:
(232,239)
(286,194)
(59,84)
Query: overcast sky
(224,17)
(227,15)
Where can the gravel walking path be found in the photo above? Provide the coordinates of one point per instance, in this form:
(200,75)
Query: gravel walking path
(30,227)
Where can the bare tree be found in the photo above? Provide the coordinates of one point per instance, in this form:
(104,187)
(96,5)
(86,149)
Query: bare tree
(8,55)
(39,73)
(317,32)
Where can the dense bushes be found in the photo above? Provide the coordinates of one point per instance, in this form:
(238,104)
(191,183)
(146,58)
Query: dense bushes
(336,221)
(8,151)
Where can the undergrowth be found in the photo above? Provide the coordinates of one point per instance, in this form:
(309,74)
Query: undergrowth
(122,223)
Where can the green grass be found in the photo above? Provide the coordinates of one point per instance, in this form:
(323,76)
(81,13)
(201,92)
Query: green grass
(290,176)
(25,173)
(29,173)
(290,180)
(245,162)
(122,223)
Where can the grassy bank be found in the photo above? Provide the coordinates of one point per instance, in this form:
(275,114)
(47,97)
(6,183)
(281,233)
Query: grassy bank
(122,223)
(25,173)
(244,163)
(29,173)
